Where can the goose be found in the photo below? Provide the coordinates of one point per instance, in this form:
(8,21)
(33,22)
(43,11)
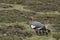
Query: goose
(37,26)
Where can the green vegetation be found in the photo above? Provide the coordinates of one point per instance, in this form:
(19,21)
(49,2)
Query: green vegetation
(37,5)
(14,15)
(56,36)
(56,31)
(15,32)
(5,6)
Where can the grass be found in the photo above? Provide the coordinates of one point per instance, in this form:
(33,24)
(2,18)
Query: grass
(14,15)
(19,16)
(39,38)
(15,31)
(37,5)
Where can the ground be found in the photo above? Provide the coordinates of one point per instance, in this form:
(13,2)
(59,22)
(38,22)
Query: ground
(16,12)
